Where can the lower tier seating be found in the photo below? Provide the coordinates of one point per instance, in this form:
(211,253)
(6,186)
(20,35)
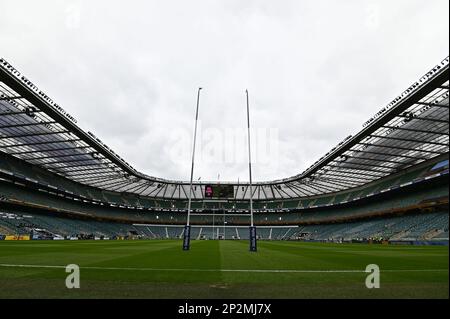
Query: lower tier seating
(424,226)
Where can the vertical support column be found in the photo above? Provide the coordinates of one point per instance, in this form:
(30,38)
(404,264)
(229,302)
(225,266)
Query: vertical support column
(187,228)
(252,228)
(186,237)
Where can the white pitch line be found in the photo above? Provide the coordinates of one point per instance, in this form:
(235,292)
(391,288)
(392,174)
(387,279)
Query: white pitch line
(225,270)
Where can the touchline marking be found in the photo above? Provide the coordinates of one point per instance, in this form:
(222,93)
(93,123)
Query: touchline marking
(224,270)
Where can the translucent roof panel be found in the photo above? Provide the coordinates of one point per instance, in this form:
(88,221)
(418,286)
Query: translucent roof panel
(412,129)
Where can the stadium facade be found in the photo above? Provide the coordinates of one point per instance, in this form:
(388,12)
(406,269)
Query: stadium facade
(387,182)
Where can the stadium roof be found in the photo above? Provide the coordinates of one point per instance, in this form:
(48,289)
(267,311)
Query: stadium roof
(411,129)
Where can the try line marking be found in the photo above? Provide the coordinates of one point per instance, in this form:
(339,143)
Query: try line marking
(224,270)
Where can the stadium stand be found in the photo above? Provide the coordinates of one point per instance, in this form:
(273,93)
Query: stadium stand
(413,227)
(387,182)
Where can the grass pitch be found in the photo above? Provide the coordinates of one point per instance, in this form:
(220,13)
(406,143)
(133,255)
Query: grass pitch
(220,269)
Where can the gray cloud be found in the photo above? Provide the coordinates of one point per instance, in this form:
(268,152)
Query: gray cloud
(316,70)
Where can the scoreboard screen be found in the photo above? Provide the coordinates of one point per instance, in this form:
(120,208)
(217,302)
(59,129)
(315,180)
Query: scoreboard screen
(219,191)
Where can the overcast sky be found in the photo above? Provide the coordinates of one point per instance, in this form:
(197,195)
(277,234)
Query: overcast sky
(316,71)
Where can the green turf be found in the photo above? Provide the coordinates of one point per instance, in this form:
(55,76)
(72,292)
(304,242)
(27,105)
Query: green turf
(165,271)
